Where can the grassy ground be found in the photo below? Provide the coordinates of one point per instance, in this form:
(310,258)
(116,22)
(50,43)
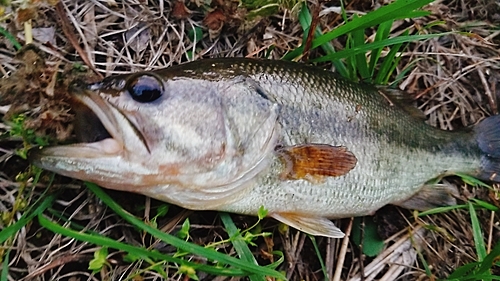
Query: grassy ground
(55,228)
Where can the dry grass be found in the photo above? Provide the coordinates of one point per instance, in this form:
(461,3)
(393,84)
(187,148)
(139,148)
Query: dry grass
(455,81)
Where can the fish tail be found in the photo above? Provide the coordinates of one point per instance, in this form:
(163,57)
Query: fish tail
(488,139)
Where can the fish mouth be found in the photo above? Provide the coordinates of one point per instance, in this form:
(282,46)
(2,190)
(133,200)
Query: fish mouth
(101,131)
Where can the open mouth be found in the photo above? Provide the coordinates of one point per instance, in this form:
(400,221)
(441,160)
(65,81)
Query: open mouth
(98,129)
(87,126)
(97,124)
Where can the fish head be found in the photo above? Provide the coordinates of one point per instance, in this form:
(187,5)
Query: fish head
(190,141)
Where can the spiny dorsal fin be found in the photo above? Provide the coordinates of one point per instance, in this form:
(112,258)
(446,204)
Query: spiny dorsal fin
(315,161)
(317,226)
(399,98)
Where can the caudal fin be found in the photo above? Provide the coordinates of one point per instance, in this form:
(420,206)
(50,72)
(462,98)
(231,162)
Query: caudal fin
(488,139)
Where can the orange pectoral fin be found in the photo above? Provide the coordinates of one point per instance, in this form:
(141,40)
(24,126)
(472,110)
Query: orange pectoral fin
(316,161)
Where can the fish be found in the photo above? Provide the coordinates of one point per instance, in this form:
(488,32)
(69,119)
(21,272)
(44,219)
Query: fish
(237,135)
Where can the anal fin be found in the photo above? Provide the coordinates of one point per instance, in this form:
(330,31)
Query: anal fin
(317,226)
(431,196)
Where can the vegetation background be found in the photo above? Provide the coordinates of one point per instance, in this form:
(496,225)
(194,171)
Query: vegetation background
(444,54)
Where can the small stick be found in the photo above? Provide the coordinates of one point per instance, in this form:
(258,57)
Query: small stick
(361,255)
(295,249)
(330,254)
(312,30)
(490,235)
(343,252)
(492,98)
(28,32)
(58,262)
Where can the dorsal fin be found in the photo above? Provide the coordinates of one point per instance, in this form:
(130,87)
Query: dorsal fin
(315,161)
(401,99)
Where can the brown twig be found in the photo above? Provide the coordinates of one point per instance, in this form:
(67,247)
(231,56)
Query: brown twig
(312,29)
(60,261)
(70,34)
(343,252)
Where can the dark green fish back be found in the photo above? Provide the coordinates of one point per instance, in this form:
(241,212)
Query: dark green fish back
(304,89)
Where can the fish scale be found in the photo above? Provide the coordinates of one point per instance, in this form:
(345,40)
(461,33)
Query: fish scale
(299,141)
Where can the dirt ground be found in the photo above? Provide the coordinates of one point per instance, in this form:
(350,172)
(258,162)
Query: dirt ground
(455,81)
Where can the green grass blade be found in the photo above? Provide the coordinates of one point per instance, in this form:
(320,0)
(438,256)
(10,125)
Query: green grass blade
(484,205)
(179,243)
(476,203)
(239,243)
(318,254)
(138,251)
(470,180)
(4,276)
(351,60)
(389,65)
(403,73)
(489,260)
(376,45)
(305,19)
(277,262)
(461,271)
(11,38)
(475,277)
(478,235)
(439,210)
(415,14)
(400,9)
(428,271)
(358,39)
(27,217)
(383,32)
(73,225)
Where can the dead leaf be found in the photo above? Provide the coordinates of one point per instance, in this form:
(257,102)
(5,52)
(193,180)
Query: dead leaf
(180,11)
(215,20)
(138,37)
(24,15)
(45,35)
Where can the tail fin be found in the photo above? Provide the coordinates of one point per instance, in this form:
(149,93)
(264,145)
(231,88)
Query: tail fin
(488,139)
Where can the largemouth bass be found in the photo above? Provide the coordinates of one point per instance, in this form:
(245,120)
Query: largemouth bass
(237,134)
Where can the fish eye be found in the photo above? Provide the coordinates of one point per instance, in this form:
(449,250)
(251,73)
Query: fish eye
(144,88)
